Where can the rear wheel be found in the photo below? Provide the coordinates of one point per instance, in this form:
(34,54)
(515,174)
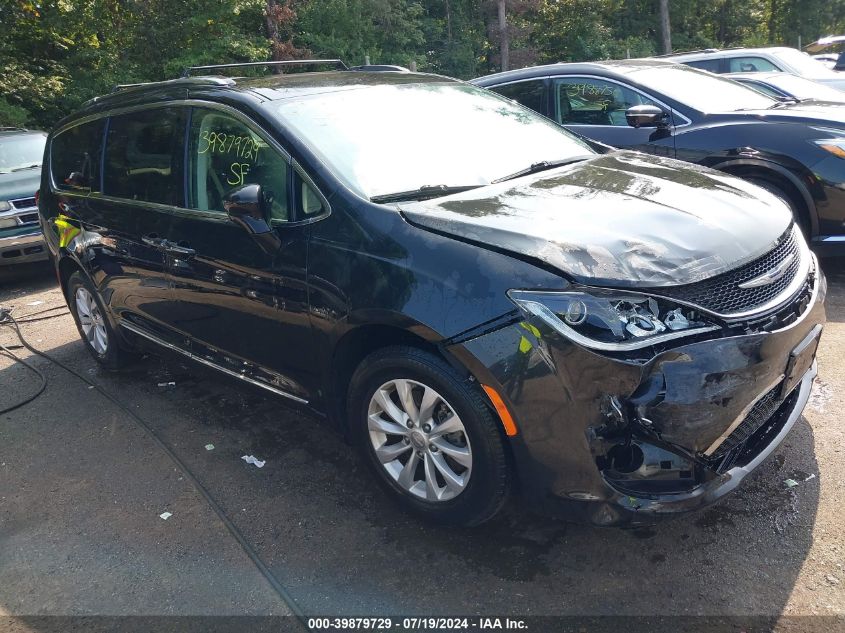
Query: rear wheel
(428,436)
(92,322)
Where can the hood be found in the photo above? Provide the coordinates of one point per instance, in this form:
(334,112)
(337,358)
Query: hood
(20,184)
(622,219)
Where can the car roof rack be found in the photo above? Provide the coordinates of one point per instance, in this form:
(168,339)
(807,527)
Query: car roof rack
(380,68)
(337,63)
(180,81)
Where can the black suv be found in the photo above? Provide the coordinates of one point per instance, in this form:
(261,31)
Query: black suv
(795,150)
(21,153)
(476,297)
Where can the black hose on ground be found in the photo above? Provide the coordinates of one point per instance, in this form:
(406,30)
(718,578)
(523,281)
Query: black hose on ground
(8,320)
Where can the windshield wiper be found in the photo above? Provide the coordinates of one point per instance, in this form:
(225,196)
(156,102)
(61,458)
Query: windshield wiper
(25,167)
(543,165)
(423,193)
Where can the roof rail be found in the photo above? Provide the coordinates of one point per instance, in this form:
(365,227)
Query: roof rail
(180,81)
(338,64)
(380,68)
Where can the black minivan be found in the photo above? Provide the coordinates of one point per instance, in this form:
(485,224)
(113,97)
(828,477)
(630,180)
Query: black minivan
(479,299)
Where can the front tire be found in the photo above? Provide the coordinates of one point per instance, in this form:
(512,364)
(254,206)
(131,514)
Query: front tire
(429,437)
(784,197)
(91,318)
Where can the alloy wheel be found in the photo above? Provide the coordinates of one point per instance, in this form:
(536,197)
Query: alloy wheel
(420,440)
(91,321)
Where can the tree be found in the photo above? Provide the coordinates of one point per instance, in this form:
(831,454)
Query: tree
(504,36)
(665,28)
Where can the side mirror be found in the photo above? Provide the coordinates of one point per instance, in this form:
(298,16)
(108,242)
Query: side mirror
(247,207)
(646,116)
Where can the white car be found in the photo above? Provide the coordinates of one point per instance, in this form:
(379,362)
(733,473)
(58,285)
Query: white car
(752,60)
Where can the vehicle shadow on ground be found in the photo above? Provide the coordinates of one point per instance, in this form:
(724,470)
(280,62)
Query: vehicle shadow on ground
(834,270)
(26,278)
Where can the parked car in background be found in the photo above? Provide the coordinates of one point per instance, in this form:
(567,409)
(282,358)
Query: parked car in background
(21,153)
(789,87)
(668,109)
(476,297)
(830,50)
(757,60)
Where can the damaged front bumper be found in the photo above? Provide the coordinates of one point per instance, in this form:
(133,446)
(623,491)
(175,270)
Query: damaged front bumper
(612,440)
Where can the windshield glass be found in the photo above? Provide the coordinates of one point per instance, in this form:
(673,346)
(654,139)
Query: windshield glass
(20,152)
(805,88)
(701,90)
(390,138)
(805,65)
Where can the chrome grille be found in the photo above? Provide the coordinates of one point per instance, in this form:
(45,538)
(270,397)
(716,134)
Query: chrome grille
(23,203)
(721,294)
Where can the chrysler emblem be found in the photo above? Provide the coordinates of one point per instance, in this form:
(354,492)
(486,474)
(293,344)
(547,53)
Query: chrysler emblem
(769,277)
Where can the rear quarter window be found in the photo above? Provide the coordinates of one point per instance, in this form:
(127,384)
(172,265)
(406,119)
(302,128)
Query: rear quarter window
(75,157)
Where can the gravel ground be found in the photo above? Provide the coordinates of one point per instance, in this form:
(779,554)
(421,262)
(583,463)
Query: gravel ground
(81,491)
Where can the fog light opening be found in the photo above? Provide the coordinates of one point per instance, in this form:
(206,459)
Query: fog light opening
(626,458)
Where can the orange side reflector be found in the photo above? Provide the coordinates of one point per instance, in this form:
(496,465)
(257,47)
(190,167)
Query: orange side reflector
(501,409)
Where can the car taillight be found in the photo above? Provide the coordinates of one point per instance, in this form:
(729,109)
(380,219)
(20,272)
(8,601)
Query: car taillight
(37,195)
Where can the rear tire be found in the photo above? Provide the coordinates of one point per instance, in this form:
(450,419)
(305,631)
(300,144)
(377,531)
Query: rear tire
(429,437)
(92,321)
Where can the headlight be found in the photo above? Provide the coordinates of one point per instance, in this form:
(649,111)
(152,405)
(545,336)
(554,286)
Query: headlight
(835,146)
(612,320)
(4,205)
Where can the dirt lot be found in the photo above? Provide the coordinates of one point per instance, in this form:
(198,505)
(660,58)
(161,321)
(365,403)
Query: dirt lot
(82,488)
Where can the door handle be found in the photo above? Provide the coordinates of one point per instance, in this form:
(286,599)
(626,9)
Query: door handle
(178,249)
(153,240)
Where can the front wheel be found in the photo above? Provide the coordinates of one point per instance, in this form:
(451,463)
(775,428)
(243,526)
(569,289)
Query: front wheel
(784,197)
(429,437)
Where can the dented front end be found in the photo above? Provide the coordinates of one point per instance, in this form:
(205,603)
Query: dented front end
(629,436)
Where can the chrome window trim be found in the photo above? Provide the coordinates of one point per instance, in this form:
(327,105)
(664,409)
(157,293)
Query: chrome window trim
(674,111)
(197,103)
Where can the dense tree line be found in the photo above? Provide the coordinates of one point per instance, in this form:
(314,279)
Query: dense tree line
(55,54)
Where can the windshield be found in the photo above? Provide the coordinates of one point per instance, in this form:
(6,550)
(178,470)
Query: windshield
(701,90)
(21,152)
(389,138)
(805,88)
(805,65)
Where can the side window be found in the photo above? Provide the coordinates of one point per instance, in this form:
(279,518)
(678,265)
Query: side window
(531,94)
(224,154)
(75,157)
(751,65)
(144,155)
(583,101)
(711,65)
(309,201)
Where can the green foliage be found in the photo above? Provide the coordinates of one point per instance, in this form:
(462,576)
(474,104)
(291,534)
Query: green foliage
(388,31)
(55,54)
